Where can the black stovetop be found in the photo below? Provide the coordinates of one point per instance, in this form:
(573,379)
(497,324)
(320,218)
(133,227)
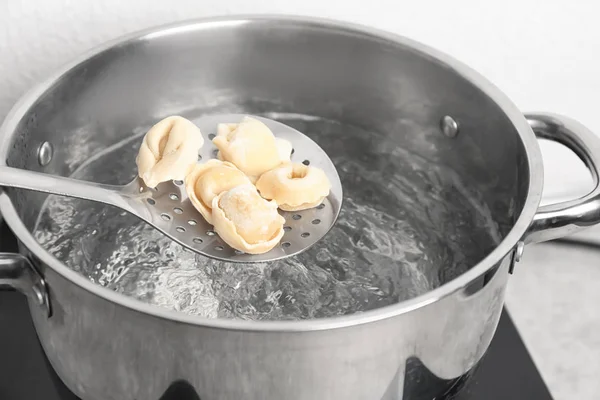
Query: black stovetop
(507,371)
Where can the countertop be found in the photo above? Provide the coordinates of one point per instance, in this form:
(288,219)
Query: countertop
(543,55)
(554,297)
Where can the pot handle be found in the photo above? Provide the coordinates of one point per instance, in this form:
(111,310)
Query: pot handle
(17,272)
(554,221)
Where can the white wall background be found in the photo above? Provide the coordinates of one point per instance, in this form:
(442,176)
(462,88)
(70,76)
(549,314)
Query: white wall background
(544,54)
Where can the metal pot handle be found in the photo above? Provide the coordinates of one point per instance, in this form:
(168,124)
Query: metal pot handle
(554,221)
(17,272)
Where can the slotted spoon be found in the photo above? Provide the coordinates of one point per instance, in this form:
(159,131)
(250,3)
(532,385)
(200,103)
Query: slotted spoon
(168,209)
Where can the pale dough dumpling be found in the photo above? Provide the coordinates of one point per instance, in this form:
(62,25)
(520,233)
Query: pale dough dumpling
(251,146)
(294,187)
(284,148)
(169,151)
(246,221)
(209,180)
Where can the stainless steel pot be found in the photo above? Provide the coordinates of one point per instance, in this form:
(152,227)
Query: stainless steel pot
(105,345)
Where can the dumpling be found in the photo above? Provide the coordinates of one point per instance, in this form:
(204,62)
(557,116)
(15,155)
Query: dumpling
(251,146)
(294,186)
(284,148)
(225,129)
(209,180)
(169,150)
(246,221)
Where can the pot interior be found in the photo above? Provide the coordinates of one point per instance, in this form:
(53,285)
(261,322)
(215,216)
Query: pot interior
(420,207)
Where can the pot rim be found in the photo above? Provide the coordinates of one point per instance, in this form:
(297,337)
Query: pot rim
(515,235)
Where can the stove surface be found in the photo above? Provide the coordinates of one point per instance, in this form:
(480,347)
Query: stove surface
(506,372)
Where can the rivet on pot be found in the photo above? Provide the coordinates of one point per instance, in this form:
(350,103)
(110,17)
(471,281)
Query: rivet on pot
(449,126)
(519,251)
(39,295)
(45,153)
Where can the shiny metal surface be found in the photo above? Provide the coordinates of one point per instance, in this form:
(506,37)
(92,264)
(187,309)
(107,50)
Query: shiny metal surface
(45,153)
(16,271)
(449,126)
(106,346)
(168,209)
(519,251)
(554,221)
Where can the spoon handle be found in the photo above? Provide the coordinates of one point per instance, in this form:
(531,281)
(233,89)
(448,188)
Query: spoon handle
(58,185)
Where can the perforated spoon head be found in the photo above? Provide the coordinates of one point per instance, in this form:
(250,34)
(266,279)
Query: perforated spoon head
(169,210)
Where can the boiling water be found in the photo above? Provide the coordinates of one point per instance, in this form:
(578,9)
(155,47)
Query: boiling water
(406,227)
